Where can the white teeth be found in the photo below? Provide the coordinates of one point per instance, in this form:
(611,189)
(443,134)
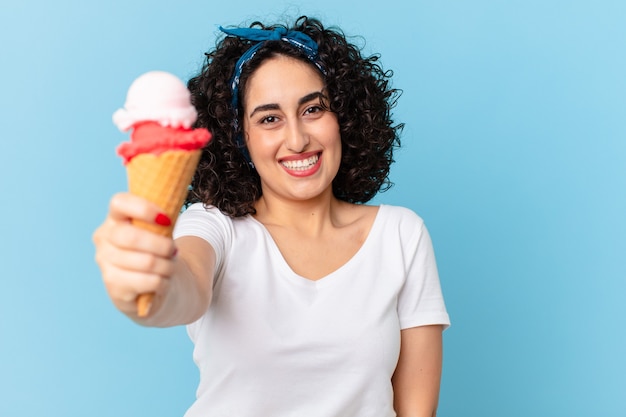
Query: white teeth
(301,164)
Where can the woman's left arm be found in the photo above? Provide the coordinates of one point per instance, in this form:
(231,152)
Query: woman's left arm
(417,377)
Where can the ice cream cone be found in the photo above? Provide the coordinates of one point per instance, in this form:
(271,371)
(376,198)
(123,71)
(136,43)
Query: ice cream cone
(164,149)
(164,180)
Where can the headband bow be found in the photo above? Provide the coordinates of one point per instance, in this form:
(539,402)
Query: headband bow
(297,38)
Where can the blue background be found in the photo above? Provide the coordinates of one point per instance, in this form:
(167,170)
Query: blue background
(514,153)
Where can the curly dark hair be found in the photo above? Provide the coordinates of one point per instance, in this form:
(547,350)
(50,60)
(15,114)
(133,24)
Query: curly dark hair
(359,93)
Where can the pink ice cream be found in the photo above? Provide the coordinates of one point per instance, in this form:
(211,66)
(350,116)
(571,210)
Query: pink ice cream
(158,108)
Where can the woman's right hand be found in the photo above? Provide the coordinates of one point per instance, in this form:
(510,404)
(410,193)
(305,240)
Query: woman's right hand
(132,260)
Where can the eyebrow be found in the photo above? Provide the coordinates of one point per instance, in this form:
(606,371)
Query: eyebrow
(301,101)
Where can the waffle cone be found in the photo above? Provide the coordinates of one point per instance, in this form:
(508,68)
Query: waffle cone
(164,180)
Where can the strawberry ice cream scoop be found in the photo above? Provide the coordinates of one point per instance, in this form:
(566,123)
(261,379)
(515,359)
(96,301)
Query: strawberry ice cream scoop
(152,138)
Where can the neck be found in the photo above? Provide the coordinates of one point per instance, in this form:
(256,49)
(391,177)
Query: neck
(311,217)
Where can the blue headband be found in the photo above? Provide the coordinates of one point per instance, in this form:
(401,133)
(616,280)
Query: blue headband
(300,40)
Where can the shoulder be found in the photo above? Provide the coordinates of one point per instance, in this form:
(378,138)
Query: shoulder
(199,209)
(385,212)
(198,220)
(400,225)
(400,215)
(203,213)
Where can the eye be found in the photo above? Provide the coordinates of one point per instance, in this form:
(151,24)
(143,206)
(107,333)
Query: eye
(316,108)
(268,120)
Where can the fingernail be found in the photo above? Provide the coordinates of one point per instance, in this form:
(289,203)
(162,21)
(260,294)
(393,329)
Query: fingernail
(162,220)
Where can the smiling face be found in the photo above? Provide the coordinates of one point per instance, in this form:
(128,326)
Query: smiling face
(293,141)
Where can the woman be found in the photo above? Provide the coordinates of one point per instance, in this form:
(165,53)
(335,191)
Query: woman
(300,299)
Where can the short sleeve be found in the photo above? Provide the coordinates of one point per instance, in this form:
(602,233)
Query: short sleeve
(420,301)
(207,223)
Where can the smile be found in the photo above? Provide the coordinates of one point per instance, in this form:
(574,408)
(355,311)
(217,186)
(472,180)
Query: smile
(301,164)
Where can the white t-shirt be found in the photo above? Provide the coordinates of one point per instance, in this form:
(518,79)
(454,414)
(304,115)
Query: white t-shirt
(275,344)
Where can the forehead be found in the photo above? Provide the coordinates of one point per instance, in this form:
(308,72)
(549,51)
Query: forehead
(281,77)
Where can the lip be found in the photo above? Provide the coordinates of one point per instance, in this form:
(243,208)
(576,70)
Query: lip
(302,156)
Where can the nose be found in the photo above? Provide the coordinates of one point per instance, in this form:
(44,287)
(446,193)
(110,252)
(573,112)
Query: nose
(297,139)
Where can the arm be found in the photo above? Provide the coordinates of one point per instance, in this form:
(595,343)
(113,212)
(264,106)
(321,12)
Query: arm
(417,376)
(134,261)
(189,288)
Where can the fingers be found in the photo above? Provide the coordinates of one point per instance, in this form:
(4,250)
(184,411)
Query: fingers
(117,229)
(124,292)
(127,273)
(125,236)
(126,206)
(133,260)
(145,257)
